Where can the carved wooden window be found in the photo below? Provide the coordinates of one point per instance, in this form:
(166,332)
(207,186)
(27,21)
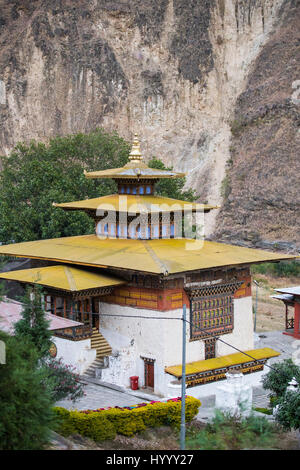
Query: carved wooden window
(210,348)
(212,310)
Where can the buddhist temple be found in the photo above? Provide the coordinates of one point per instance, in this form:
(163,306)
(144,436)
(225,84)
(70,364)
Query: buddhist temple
(127,283)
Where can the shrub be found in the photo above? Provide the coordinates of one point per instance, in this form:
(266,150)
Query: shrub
(277,379)
(106,423)
(288,411)
(62,380)
(225,187)
(233,432)
(280,269)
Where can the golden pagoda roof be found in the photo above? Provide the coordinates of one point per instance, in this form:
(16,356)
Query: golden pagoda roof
(222,361)
(161,256)
(63,277)
(135,204)
(134,169)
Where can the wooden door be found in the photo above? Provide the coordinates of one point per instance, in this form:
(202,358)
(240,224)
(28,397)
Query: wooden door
(149,374)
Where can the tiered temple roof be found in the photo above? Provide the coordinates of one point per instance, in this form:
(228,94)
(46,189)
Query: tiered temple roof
(166,256)
(157,250)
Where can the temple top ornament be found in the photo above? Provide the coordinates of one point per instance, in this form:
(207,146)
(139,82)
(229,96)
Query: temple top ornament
(135,168)
(135,154)
(117,215)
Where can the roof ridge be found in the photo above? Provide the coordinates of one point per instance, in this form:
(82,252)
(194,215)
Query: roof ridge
(70,278)
(155,258)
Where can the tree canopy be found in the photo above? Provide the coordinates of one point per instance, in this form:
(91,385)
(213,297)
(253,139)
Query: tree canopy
(26,405)
(36,175)
(171,187)
(33,324)
(278,378)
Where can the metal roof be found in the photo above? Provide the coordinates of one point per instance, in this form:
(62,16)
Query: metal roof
(63,277)
(134,204)
(134,170)
(10,313)
(289,290)
(285,297)
(162,256)
(223,361)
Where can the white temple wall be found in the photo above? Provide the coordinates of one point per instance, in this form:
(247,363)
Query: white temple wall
(161,339)
(75,353)
(134,338)
(242,336)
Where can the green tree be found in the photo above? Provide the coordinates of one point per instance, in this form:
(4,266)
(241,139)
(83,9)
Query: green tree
(26,407)
(288,411)
(33,325)
(277,379)
(60,379)
(280,269)
(34,176)
(171,187)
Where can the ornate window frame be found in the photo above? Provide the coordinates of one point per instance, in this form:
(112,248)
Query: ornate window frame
(212,310)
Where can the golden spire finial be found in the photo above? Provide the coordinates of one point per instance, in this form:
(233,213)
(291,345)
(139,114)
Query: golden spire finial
(135,153)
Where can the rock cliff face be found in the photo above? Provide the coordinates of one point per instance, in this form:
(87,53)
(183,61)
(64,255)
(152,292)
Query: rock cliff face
(207,84)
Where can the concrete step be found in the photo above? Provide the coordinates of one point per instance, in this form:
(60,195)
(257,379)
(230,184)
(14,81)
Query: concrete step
(91,370)
(99,343)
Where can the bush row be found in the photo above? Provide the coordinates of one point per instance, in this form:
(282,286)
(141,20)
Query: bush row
(104,424)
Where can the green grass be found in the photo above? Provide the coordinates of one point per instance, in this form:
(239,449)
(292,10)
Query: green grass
(281,269)
(266,411)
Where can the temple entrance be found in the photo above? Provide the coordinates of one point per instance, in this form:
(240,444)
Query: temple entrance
(149,372)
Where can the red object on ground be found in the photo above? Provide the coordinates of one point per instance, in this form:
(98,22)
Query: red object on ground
(134,382)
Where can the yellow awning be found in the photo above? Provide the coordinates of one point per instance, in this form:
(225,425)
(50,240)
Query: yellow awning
(135,204)
(63,277)
(163,256)
(223,361)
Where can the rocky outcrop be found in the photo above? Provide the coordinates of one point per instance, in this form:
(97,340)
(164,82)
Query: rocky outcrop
(181,74)
(261,191)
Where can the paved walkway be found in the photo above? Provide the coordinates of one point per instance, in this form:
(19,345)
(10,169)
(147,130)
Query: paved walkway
(98,396)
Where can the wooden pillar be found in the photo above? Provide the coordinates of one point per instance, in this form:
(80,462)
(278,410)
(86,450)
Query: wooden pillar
(90,312)
(297,320)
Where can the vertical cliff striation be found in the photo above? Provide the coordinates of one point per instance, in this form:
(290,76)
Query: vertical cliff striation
(182,74)
(261,191)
